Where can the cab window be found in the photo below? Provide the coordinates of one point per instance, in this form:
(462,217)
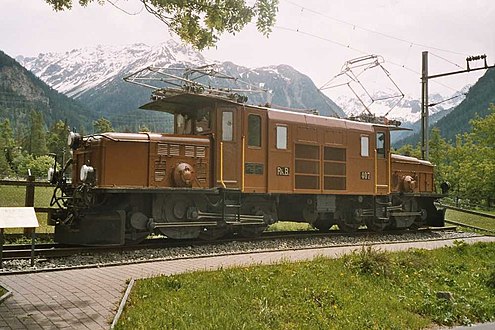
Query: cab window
(254,131)
(227,125)
(183,124)
(380,144)
(365,146)
(202,123)
(282,137)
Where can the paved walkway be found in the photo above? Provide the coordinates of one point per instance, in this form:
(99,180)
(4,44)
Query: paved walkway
(88,298)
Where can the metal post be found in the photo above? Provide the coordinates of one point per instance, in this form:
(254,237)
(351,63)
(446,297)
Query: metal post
(33,242)
(424,107)
(1,248)
(29,200)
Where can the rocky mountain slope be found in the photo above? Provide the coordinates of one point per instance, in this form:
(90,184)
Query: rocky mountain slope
(21,92)
(93,76)
(407,110)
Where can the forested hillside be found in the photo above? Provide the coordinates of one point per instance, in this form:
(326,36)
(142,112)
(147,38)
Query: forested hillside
(468,163)
(34,120)
(21,92)
(476,103)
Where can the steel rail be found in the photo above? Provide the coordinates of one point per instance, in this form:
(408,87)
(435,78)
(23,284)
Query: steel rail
(470,226)
(54,250)
(481,214)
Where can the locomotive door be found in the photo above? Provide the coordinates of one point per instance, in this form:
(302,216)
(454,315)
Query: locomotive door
(382,164)
(255,150)
(227,148)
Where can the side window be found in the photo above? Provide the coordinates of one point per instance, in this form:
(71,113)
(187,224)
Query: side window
(282,137)
(202,124)
(254,131)
(380,144)
(183,124)
(365,146)
(227,126)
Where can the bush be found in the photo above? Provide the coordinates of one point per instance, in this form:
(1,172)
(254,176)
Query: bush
(369,261)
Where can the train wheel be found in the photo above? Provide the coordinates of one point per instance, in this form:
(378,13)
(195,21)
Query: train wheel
(347,227)
(137,228)
(324,222)
(135,238)
(174,209)
(323,226)
(373,225)
(413,222)
(347,222)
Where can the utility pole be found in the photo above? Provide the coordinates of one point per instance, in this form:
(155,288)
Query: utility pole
(424,94)
(425,152)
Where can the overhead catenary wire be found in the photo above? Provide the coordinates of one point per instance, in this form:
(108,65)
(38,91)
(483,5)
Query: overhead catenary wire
(360,51)
(446,60)
(341,21)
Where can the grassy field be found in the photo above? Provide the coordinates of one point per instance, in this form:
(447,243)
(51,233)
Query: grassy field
(15,196)
(470,219)
(368,289)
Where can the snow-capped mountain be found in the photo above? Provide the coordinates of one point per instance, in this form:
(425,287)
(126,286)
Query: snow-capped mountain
(79,70)
(94,75)
(407,110)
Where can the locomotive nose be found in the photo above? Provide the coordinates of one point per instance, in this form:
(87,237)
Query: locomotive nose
(183,175)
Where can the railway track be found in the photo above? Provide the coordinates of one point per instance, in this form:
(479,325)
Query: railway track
(53,250)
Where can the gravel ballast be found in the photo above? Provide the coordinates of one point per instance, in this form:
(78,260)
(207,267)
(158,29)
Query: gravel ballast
(234,247)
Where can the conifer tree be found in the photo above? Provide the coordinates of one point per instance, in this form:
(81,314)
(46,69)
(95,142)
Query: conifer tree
(102,125)
(7,142)
(57,141)
(37,138)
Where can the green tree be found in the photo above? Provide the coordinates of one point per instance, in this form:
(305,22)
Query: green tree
(57,141)
(469,164)
(102,125)
(409,150)
(7,145)
(479,167)
(439,152)
(200,22)
(36,141)
(143,128)
(39,166)
(20,163)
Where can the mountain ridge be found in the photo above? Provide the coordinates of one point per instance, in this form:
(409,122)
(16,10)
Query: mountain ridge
(21,92)
(94,77)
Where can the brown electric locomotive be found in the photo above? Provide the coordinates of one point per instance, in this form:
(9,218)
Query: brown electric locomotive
(230,167)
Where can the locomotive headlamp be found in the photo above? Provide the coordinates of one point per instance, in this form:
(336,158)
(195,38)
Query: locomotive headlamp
(51,172)
(74,140)
(87,173)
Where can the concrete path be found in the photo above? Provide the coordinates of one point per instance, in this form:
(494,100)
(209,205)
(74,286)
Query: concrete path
(88,298)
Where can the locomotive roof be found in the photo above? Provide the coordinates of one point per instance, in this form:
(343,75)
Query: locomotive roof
(187,101)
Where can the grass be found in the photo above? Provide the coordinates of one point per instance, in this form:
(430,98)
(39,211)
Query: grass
(471,219)
(290,226)
(368,289)
(2,291)
(12,196)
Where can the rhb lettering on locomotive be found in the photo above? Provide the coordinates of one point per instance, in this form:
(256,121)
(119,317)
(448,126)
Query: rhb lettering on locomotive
(283,171)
